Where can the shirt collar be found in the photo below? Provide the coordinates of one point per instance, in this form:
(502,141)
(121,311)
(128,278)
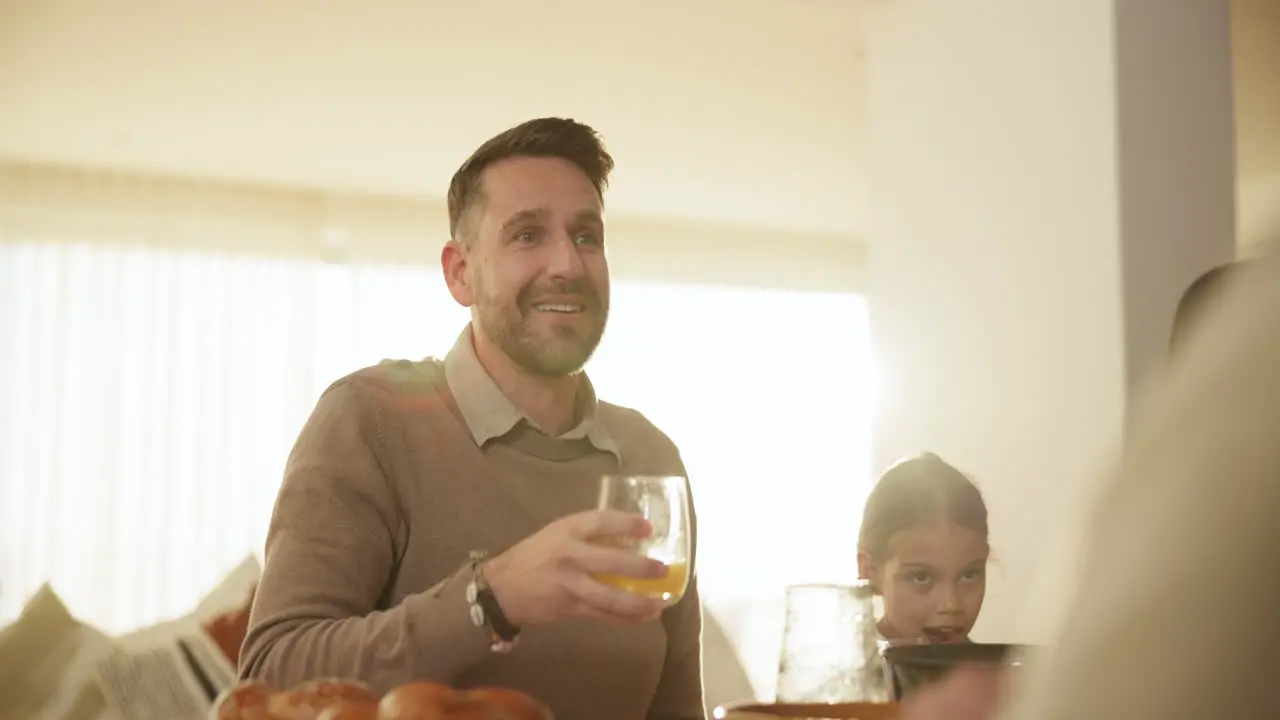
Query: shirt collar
(489,414)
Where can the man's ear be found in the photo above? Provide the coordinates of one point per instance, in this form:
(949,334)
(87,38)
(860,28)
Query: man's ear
(454,261)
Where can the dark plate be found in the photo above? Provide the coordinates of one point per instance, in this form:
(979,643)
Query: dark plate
(914,666)
(809,711)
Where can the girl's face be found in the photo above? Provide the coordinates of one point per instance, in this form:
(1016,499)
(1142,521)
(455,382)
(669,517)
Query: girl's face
(933,581)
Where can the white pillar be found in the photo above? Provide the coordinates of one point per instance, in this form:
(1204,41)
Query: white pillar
(1046,178)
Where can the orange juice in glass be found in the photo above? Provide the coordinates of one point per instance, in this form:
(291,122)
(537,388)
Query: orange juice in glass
(664,502)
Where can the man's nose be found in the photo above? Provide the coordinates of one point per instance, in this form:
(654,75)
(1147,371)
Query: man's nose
(565,262)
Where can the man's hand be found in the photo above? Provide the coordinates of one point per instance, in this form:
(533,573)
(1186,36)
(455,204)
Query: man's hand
(548,576)
(965,694)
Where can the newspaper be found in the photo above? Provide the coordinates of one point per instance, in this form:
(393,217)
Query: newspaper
(178,680)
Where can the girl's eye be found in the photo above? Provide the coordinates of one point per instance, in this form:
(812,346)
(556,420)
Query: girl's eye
(920,578)
(971,576)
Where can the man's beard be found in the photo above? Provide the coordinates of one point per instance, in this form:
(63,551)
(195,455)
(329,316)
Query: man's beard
(565,350)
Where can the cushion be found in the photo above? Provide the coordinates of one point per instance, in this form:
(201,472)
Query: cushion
(227,629)
(47,662)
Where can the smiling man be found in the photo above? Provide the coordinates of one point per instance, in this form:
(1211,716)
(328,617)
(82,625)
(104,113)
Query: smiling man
(435,517)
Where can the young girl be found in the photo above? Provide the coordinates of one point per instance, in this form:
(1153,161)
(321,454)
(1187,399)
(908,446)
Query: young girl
(923,546)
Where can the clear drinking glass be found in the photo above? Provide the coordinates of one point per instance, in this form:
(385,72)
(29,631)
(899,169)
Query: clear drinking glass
(829,646)
(664,502)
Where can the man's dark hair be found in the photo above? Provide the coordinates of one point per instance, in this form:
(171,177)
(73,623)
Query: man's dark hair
(542,137)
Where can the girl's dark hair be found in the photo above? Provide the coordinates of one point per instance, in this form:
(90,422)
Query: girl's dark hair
(916,490)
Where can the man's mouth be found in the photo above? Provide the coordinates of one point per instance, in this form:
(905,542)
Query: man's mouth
(563,303)
(564,308)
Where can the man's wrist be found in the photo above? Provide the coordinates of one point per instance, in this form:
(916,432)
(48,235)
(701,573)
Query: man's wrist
(485,609)
(493,571)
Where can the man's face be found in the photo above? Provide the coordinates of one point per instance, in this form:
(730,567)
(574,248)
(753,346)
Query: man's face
(535,264)
(933,582)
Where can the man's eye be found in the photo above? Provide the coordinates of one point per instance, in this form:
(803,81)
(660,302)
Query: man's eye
(526,236)
(586,239)
(971,576)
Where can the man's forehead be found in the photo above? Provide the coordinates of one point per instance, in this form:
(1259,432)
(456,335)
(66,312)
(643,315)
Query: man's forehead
(541,205)
(548,214)
(538,180)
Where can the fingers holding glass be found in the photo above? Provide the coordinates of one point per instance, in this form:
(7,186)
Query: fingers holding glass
(664,503)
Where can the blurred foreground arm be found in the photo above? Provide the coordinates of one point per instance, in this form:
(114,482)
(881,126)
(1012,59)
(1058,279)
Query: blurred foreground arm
(1176,614)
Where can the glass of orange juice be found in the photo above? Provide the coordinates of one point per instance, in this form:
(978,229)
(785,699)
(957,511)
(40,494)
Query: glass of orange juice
(664,502)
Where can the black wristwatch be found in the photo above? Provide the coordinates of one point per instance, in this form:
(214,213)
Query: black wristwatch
(485,610)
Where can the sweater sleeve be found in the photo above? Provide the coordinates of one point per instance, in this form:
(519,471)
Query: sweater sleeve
(332,548)
(679,694)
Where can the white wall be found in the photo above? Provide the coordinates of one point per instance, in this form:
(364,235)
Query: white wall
(1045,180)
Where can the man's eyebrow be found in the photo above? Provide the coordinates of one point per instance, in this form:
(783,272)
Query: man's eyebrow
(524,216)
(589,216)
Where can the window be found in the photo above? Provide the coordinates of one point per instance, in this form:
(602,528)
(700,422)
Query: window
(768,393)
(151,398)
